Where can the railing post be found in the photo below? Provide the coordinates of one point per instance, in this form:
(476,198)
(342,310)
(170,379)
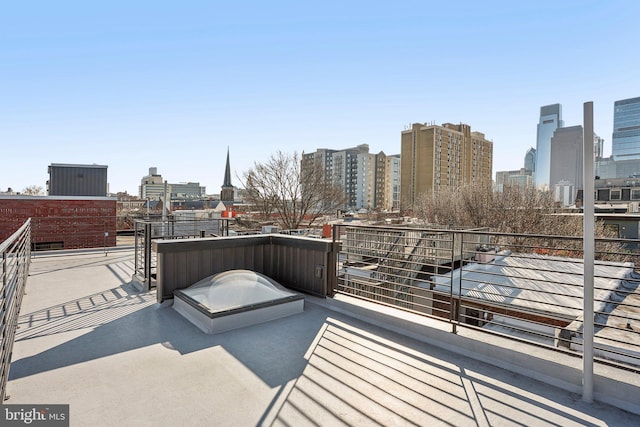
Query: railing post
(451,300)
(332,280)
(589,253)
(147,254)
(5,343)
(459,304)
(135,246)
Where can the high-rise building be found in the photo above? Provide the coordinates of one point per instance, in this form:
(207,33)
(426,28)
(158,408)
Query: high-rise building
(566,157)
(530,160)
(550,120)
(364,177)
(366,181)
(323,156)
(345,173)
(626,129)
(436,157)
(387,182)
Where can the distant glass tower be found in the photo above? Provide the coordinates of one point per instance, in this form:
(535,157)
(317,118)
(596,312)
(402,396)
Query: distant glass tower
(530,159)
(550,120)
(626,129)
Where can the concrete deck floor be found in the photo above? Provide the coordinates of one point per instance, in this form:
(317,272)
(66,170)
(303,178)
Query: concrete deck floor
(87,338)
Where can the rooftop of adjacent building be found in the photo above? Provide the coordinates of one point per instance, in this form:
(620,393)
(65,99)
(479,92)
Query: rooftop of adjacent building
(627,101)
(90,339)
(70,165)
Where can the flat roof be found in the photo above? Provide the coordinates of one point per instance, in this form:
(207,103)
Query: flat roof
(23,197)
(540,283)
(90,339)
(69,165)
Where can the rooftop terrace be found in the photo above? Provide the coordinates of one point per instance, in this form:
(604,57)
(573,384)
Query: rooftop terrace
(90,339)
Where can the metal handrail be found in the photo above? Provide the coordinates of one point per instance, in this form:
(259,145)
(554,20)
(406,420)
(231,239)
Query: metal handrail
(16,259)
(532,292)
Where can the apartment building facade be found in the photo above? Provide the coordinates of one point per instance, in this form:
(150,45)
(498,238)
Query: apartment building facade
(435,157)
(369,181)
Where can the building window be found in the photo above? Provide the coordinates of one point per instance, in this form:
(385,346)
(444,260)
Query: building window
(615,195)
(635,194)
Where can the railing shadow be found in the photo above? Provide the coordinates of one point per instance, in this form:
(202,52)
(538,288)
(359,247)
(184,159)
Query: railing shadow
(360,375)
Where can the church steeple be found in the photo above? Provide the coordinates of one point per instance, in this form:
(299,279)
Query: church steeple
(226,195)
(227,173)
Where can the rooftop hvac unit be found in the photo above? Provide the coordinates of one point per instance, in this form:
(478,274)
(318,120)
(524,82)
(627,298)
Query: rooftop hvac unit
(267,229)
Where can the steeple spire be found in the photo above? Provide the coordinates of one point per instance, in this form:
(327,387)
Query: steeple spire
(226,195)
(227,173)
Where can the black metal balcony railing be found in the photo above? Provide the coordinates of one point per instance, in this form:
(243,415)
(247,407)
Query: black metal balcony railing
(526,287)
(145,231)
(16,258)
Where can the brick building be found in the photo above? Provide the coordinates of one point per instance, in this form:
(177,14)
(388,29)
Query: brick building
(61,222)
(436,157)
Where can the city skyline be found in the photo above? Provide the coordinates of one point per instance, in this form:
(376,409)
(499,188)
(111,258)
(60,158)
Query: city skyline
(172,86)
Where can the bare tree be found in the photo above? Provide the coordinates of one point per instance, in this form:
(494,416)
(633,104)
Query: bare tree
(514,210)
(33,190)
(258,190)
(296,193)
(529,219)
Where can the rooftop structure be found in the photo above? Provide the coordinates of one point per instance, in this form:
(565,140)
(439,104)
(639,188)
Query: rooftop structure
(77,180)
(119,358)
(422,354)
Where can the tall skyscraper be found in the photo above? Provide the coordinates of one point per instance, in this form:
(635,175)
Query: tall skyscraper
(550,120)
(434,157)
(530,160)
(566,157)
(626,129)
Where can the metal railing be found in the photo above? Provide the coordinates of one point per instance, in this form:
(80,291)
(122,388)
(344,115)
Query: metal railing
(525,287)
(145,231)
(16,258)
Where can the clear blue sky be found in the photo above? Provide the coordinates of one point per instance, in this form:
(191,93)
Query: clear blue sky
(137,84)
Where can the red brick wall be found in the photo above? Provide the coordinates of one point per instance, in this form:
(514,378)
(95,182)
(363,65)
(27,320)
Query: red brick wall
(73,222)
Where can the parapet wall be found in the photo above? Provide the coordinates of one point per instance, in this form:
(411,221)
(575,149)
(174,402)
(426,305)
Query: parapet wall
(304,264)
